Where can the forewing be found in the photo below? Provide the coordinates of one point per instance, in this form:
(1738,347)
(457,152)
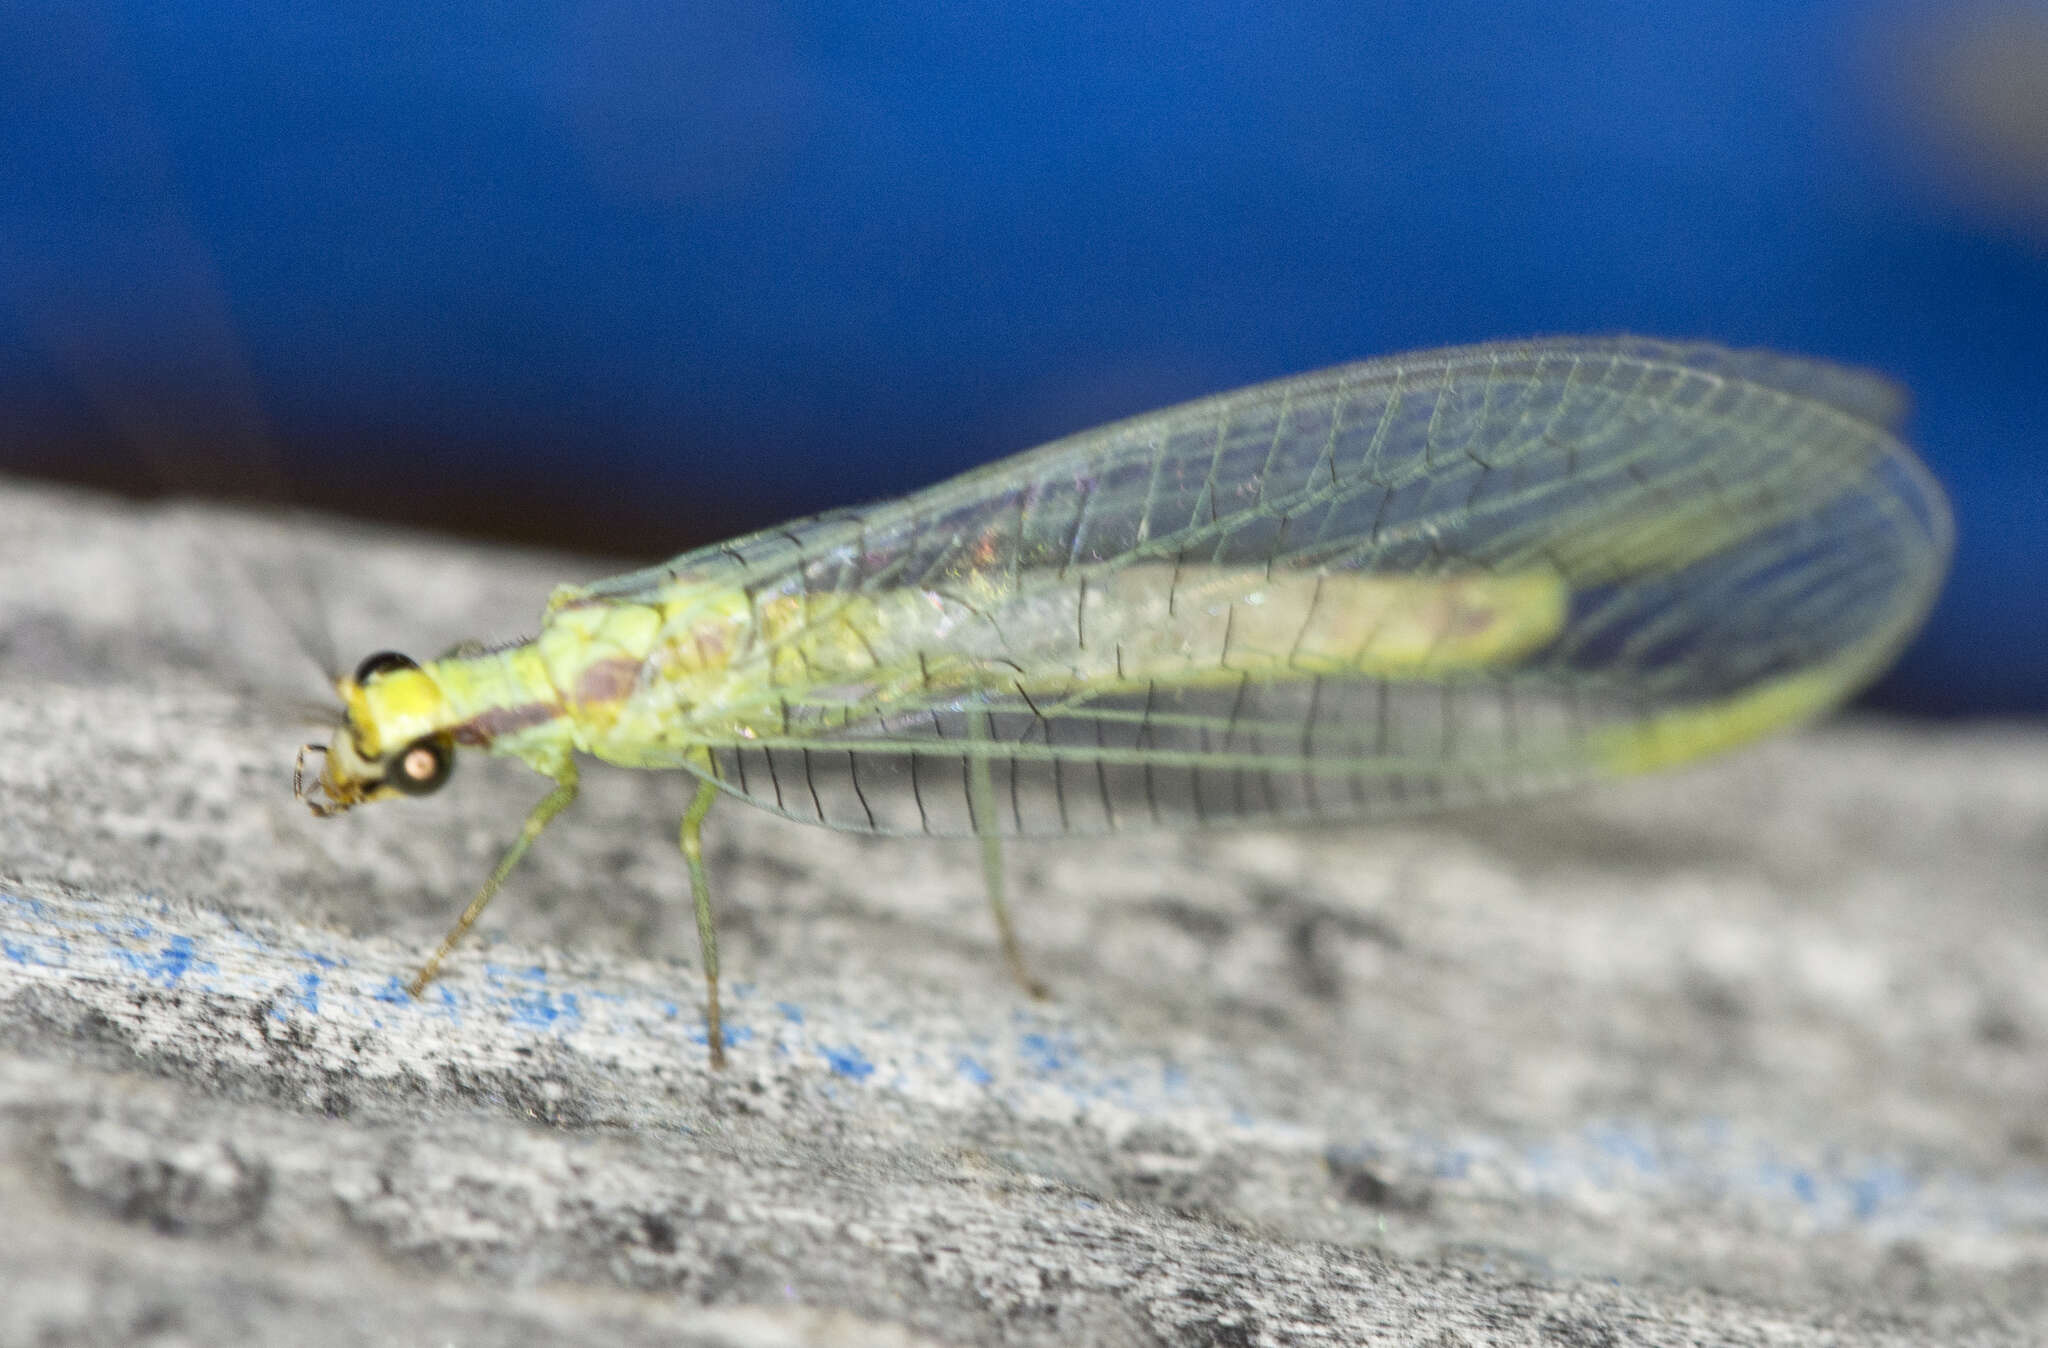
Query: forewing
(1446,576)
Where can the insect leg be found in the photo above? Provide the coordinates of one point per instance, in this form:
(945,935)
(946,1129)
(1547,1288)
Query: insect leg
(551,805)
(981,803)
(707,933)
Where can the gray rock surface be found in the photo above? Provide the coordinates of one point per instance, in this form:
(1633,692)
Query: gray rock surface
(1754,1053)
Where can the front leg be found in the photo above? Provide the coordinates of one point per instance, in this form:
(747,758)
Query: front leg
(537,819)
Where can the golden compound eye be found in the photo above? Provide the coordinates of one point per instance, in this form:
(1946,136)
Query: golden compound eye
(422,766)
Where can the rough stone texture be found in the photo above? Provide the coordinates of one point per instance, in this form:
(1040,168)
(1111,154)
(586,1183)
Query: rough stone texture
(1756,1053)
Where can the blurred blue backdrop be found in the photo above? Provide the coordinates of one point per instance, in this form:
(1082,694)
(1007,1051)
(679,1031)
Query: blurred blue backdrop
(636,274)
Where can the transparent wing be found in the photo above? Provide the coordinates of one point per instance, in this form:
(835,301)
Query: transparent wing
(1446,576)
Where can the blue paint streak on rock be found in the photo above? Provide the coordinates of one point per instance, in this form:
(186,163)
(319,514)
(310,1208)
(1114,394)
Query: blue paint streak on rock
(309,993)
(169,964)
(1873,1190)
(973,1071)
(1046,1053)
(733,1036)
(1619,1143)
(448,1003)
(791,1012)
(543,1010)
(847,1062)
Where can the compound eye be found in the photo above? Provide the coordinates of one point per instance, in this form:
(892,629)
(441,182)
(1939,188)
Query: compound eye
(422,766)
(382,663)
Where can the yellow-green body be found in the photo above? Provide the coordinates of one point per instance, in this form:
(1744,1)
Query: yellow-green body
(649,683)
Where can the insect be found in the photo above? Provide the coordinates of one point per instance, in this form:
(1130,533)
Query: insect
(1429,579)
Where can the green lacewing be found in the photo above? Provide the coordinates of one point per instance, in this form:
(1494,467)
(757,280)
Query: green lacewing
(1429,579)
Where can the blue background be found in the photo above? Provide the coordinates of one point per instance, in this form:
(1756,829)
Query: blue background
(637,274)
